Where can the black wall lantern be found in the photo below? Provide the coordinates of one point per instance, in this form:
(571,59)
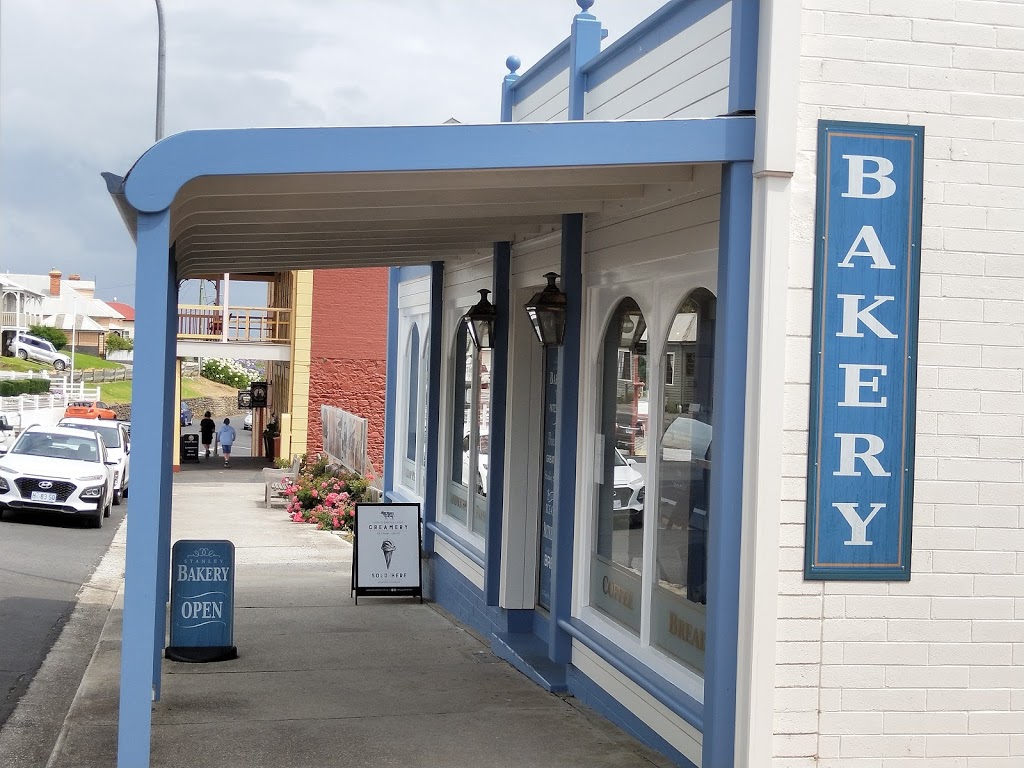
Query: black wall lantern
(547,313)
(480,319)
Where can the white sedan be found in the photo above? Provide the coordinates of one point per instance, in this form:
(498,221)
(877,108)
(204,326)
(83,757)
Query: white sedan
(58,469)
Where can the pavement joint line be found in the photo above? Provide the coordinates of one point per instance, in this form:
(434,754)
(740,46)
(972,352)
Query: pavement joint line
(110,567)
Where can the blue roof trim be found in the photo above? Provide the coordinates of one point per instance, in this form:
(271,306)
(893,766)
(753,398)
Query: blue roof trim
(553,63)
(656,29)
(158,175)
(676,701)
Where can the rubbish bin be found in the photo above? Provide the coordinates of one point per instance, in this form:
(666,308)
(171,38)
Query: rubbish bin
(189,448)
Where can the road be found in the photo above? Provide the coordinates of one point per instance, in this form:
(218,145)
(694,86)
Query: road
(44,560)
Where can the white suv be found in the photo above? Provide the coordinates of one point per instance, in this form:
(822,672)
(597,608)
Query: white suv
(29,347)
(115,438)
(57,469)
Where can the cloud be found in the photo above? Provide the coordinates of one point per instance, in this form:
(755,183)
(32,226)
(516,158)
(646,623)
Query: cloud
(77,85)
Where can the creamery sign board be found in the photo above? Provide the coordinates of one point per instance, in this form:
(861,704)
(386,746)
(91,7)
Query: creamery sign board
(386,561)
(864,351)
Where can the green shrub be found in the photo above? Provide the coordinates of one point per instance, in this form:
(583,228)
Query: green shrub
(55,336)
(117,343)
(15,387)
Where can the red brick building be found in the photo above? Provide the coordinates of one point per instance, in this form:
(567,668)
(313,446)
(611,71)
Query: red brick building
(348,350)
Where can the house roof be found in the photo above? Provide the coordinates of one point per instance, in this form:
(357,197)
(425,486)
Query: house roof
(70,300)
(127,312)
(63,322)
(7,283)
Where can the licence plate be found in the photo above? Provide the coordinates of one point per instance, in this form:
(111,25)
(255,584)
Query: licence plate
(40,496)
(616,504)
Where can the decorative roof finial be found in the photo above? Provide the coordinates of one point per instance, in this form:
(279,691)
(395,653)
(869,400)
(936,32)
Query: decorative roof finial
(514,62)
(584,4)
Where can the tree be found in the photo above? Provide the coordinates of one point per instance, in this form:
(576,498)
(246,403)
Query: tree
(55,336)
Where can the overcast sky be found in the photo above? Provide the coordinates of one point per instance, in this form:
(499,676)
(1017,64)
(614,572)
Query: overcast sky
(78,85)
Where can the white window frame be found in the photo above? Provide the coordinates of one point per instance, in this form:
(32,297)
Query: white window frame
(658,297)
(671,382)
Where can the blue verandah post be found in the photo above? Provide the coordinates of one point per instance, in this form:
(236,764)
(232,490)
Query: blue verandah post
(498,391)
(150,489)
(166,479)
(726,476)
(433,403)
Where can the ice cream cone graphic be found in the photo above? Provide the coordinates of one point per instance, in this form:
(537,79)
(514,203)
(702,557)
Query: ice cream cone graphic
(388,548)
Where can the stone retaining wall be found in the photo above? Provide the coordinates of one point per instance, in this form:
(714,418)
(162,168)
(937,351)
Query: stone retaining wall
(218,406)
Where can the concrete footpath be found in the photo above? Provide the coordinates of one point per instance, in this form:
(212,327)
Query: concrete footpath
(322,682)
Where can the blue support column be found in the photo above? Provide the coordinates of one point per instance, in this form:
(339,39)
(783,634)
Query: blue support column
(166,484)
(433,403)
(727,474)
(151,469)
(391,383)
(584,44)
(566,438)
(499,389)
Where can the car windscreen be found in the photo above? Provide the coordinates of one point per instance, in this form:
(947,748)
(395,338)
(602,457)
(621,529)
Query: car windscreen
(57,446)
(111,435)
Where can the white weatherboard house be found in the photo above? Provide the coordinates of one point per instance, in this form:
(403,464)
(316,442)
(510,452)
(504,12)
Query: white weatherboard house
(757,497)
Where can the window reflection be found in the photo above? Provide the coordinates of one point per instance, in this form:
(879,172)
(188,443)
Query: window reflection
(616,573)
(684,470)
(413,393)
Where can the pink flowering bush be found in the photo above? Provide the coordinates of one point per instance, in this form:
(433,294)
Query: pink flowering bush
(326,495)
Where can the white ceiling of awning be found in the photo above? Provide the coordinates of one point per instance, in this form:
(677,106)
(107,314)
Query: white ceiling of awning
(266,223)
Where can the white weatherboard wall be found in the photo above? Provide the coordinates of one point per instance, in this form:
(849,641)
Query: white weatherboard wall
(928,673)
(686,76)
(549,102)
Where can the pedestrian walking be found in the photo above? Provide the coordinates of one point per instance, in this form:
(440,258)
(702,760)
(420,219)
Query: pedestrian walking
(226,436)
(206,429)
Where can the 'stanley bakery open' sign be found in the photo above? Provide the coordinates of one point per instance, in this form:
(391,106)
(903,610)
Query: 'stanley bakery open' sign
(864,351)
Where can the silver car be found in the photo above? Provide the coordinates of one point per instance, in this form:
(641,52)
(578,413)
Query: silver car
(29,347)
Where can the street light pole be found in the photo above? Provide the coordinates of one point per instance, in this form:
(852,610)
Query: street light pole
(160,59)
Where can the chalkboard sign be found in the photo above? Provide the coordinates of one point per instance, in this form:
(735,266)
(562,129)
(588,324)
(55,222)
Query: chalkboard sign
(189,448)
(547,480)
(386,561)
(202,601)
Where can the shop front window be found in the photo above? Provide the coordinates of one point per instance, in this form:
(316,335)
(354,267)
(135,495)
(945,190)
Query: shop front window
(469,440)
(684,475)
(617,564)
(412,394)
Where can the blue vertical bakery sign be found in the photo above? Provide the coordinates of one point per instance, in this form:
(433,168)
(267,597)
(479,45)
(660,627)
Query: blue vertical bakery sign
(202,601)
(864,351)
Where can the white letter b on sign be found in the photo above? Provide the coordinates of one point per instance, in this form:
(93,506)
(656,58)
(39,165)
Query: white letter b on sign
(880,175)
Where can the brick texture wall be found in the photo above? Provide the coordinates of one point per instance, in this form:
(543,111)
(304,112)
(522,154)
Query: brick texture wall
(349,348)
(928,673)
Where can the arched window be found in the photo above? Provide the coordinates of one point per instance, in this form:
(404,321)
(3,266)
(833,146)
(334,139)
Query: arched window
(412,394)
(617,567)
(469,438)
(684,474)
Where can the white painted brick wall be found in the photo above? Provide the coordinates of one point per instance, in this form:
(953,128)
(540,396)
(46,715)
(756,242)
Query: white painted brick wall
(930,673)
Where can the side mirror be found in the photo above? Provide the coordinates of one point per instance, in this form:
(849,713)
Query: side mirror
(631,462)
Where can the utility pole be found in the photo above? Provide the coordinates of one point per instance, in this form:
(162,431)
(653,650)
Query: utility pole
(161,56)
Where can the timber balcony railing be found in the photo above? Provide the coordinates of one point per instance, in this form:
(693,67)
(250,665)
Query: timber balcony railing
(268,325)
(20,319)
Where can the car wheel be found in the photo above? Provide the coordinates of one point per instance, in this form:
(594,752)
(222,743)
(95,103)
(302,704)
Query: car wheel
(124,492)
(59,365)
(106,511)
(117,498)
(96,521)
(23,354)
